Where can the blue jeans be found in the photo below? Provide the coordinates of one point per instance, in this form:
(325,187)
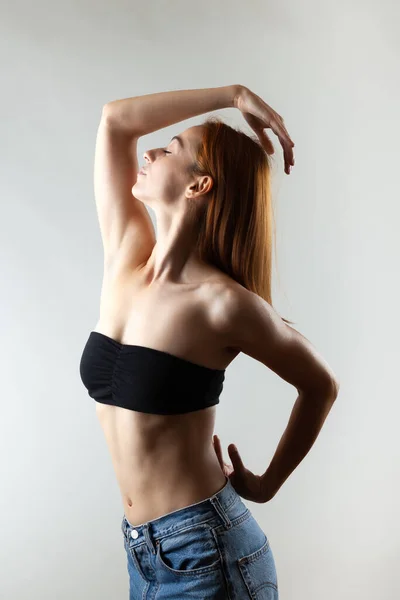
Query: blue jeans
(210,550)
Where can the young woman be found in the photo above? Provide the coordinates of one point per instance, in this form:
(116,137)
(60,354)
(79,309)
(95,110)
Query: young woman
(174,314)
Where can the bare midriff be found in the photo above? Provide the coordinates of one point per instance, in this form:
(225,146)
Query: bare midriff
(162,462)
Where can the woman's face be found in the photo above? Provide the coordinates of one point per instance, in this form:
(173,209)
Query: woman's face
(167,177)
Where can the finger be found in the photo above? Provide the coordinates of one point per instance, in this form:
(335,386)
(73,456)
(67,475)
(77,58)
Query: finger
(289,159)
(280,130)
(279,123)
(286,143)
(287,151)
(290,156)
(235,457)
(266,142)
(290,141)
(276,122)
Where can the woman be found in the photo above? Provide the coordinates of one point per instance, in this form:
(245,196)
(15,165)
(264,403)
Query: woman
(174,314)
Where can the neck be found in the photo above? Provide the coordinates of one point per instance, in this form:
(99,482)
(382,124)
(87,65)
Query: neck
(174,258)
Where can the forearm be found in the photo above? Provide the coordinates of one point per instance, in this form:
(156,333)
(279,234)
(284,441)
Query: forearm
(306,420)
(145,114)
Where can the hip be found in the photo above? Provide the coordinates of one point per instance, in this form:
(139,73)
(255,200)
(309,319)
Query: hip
(212,549)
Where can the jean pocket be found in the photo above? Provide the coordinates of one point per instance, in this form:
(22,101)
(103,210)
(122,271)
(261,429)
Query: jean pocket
(190,551)
(259,573)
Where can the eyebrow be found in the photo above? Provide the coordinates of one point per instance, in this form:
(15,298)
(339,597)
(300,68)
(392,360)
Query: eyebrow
(180,141)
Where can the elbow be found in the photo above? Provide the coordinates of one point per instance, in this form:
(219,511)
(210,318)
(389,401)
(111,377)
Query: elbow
(332,388)
(111,114)
(108,113)
(328,390)
(331,385)
(337,388)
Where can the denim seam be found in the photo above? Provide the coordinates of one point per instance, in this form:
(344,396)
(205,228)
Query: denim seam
(247,581)
(183,529)
(145,590)
(234,522)
(224,575)
(136,562)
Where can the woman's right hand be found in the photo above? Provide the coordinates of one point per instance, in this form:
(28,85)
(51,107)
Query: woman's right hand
(260,116)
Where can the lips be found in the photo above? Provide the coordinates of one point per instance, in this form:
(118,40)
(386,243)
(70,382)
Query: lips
(141,172)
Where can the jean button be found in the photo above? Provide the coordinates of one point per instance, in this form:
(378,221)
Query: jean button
(134,534)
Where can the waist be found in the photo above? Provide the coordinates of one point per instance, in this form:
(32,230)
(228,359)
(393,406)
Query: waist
(161,462)
(222,506)
(155,490)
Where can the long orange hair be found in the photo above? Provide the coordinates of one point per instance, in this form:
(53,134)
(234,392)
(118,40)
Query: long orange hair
(237,227)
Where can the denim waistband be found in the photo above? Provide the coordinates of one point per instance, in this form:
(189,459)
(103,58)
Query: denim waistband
(212,510)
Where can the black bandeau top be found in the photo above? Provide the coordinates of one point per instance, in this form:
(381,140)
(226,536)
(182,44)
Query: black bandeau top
(145,379)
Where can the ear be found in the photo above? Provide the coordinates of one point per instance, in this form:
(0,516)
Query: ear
(202,186)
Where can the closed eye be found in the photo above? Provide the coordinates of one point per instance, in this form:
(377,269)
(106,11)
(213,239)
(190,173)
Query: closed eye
(167,152)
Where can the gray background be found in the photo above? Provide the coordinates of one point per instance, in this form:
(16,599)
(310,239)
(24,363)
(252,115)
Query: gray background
(332,70)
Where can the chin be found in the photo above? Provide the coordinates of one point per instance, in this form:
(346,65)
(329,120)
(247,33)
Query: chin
(139,197)
(135,193)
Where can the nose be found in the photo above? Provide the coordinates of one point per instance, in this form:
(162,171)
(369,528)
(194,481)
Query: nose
(150,155)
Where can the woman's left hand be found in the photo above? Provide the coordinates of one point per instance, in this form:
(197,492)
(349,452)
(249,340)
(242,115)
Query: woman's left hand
(247,485)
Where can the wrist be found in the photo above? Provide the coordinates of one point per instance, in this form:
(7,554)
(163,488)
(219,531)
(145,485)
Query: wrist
(268,486)
(237,91)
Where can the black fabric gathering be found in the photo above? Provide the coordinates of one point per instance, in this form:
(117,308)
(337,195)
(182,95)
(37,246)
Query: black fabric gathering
(145,379)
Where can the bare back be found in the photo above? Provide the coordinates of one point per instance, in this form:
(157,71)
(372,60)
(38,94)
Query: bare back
(164,462)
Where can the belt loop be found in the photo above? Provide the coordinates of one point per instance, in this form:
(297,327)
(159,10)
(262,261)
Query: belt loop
(123,528)
(148,538)
(221,511)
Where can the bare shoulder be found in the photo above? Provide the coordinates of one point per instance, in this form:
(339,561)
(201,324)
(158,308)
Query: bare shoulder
(252,326)
(234,307)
